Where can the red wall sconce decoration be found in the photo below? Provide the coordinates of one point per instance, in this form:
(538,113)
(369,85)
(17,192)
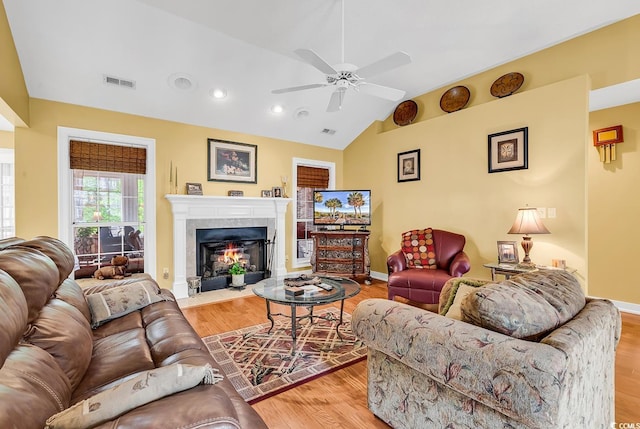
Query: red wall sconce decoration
(605,140)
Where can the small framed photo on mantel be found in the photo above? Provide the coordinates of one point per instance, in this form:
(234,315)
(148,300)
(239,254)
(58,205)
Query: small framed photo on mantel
(194,188)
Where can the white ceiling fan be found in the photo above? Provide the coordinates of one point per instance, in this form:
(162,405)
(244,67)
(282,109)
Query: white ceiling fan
(344,76)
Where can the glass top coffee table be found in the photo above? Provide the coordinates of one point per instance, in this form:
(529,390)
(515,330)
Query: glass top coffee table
(273,290)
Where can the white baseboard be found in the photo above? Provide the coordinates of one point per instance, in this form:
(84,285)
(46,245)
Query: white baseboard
(627,307)
(379,276)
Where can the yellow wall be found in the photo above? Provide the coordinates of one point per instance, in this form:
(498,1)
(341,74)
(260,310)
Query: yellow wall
(6,139)
(609,56)
(183,145)
(457,193)
(14,99)
(614,208)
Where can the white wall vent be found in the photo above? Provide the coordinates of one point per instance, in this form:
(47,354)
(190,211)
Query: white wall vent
(328,131)
(126,83)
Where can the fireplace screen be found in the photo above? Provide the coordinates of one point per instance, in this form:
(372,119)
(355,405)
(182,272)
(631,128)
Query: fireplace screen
(217,249)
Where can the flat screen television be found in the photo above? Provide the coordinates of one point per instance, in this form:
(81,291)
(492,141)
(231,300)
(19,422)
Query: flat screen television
(342,208)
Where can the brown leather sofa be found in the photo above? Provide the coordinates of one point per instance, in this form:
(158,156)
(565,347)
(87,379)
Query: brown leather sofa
(424,285)
(51,358)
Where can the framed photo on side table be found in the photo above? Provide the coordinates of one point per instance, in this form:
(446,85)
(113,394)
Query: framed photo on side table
(508,252)
(409,166)
(231,162)
(508,150)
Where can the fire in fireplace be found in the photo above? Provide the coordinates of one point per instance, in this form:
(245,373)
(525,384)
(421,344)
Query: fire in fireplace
(217,249)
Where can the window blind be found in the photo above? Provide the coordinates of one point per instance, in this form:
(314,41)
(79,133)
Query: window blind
(312,177)
(107,157)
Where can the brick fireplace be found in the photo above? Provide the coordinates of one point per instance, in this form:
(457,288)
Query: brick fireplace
(198,212)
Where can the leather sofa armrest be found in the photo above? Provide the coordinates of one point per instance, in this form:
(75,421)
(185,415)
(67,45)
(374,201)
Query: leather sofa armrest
(459,265)
(396,262)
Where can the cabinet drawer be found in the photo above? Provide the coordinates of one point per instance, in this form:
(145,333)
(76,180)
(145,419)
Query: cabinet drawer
(339,254)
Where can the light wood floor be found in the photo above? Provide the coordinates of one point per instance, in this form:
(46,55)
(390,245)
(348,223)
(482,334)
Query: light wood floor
(339,399)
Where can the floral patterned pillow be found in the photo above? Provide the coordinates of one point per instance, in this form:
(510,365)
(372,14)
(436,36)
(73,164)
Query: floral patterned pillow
(527,306)
(418,248)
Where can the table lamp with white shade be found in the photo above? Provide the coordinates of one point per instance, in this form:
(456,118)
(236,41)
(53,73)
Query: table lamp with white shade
(528,222)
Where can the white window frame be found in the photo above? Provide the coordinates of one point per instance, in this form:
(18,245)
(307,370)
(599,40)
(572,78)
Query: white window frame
(7,156)
(65,198)
(331,166)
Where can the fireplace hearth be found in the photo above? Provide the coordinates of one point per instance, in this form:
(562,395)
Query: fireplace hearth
(192,212)
(217,249)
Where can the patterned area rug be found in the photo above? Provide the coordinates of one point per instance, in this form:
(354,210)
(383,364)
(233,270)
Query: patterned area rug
(260,364)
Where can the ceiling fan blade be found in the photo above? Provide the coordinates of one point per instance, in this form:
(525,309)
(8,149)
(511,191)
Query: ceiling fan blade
(298,88)
(381,91)
(314,59)
(385,64)
(335,103)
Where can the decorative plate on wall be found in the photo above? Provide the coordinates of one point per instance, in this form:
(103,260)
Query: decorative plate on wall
(405,113)
(455,99)
(507,84)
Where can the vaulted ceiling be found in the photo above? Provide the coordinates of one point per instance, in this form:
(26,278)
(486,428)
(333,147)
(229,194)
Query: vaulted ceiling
(177,52)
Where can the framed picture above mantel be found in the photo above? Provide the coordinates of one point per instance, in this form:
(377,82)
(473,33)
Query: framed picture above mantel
(229,161)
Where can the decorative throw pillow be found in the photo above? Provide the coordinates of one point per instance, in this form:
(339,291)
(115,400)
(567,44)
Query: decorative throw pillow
(146,387)
(449,291)
(119,301)
(454,311)
(418,248)
(527,306)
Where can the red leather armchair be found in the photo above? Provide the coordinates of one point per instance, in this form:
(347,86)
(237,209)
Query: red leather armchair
(423,285)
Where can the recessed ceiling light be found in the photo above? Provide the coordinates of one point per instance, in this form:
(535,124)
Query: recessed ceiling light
(301,113)
(182,81)
(218,93)
(277,108)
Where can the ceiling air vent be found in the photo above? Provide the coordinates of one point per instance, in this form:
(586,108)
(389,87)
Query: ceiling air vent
(111,80)
(328,131)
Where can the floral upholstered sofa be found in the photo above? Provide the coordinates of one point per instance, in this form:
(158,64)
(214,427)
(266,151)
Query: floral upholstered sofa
(529,352)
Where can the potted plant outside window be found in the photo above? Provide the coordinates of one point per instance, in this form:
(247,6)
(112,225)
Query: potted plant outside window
(237,272)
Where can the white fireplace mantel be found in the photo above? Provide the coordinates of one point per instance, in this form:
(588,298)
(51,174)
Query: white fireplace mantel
(194,207)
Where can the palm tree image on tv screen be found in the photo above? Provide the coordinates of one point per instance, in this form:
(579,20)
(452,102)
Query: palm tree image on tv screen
(342,208)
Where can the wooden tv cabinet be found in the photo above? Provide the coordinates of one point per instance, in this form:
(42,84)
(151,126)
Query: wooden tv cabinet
(342,253)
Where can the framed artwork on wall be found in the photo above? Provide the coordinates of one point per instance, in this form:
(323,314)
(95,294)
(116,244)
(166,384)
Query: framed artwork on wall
(508,150)
(231,162)
(409,166)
